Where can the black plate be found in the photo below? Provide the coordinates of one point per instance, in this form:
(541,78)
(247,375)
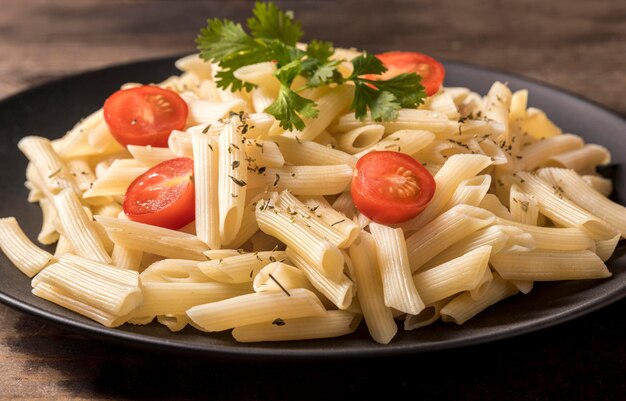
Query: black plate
(51,109)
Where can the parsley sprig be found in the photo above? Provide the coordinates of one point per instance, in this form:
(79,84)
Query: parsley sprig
(273,36)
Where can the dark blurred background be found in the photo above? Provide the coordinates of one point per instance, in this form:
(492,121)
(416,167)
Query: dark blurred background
(579,46)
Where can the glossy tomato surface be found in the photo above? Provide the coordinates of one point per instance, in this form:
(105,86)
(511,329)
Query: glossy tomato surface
(145,115)
(391,187)
(163,196)
(431,70)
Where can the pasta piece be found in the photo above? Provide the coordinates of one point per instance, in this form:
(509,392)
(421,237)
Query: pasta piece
(496,236)
(126,258)
(398,288)
(541,265)
(249,226)
(585,159)
(519,103)
(447,179)
(497,105)
(315,250)
(340,292)
(463,307)
(103,293)
(305,180)
(555,238)
(464,273)
(63,246)
(522,286)
(51,169)
(325,138)
(443,231)
(254,125)
(79,228)
(296,151)
(378,316)
(439,151)
(538,153)
(333,216)
(174,271)
(116,179)
(405,141)
(206,190)
(258,307)
(538,125)
(278,276)
(605,248)
(443,103)
(426,120)
(174,323)
(100,139)
(524,207)
(260,74)
(231,181)
(358,139)
(25,255)
(241,268)
(330,105)
(48,233)
(177,298)
(332,324)
(152,239)
(600,184)
(491,203)
(554,205)
(262,98)
(312,217)
(195,65)
(82,173)
(429,315)
(488,147)
(205,111)
(343,204)
(150,156)
(74,143)
(470,191)
(577,190)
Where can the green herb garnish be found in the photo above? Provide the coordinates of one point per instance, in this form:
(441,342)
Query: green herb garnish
(273,37)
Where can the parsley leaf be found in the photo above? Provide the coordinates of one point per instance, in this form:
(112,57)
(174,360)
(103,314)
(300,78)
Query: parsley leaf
(385,107)
(223,38)
(383,97)
(288,108)
(403,86)
(367,64)
(269,22)
(320,50)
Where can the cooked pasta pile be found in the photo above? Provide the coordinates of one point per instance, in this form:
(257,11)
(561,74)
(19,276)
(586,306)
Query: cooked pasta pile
(278,250)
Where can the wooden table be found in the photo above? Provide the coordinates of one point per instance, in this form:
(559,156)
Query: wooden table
(579,46)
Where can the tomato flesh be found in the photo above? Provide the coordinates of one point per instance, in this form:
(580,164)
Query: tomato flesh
(391,187)
(145,115)
(398,62)
(163,196)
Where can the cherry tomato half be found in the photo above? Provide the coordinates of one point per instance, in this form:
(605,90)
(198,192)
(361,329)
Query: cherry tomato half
(398,62)
(163,196)
(391,187)
(145,115)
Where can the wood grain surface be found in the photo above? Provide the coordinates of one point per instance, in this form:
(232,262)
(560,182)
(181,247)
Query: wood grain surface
(579,46)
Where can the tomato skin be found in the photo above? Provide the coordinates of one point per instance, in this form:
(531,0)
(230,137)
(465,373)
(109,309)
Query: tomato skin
(144,115)
(391,187)
(163,196)
(431,70)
